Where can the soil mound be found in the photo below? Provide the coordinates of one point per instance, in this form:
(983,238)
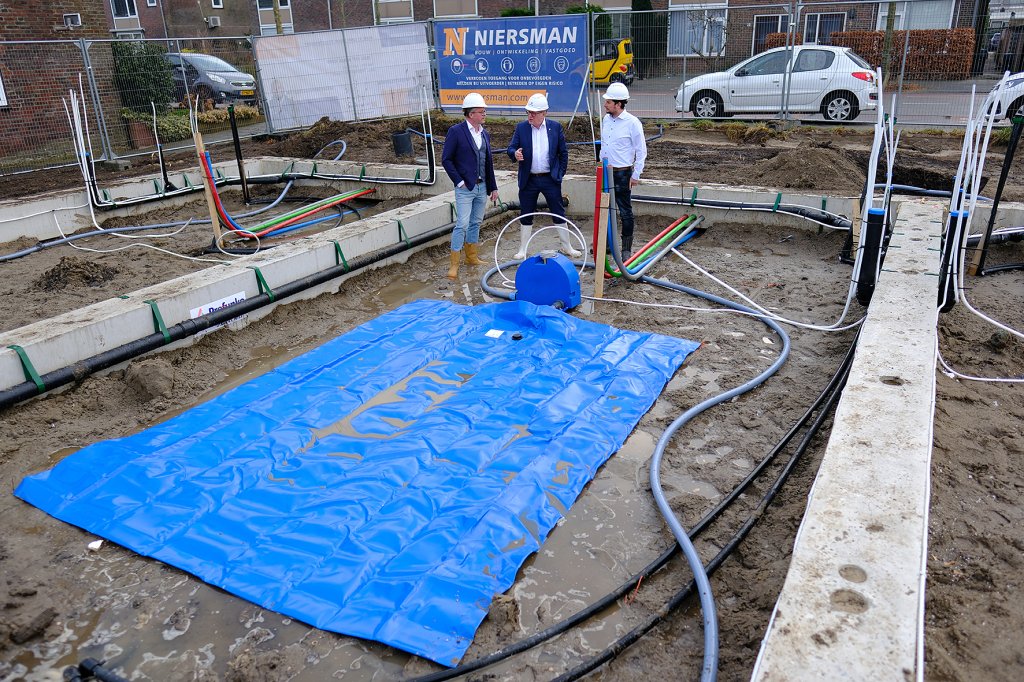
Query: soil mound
(72,271)
(814,168)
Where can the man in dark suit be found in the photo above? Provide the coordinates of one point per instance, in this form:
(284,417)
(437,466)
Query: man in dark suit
(466,158)
(539,147)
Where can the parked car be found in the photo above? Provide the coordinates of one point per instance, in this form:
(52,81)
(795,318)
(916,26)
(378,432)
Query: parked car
(833,80)
(210,77)
(1011,98)
(613,62)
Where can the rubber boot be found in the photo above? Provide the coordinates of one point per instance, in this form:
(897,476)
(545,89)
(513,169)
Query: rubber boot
(453,259)
(563,237)
(471,255)
(524,236)
(627,248)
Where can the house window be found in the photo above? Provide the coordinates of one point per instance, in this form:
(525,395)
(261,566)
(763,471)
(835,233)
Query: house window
(455,8)
(696,30)
(124,9)
(622,26)
(765,24)
(217,4)
(820,27)
(269,4)
(129,35)
(3,93)
(151,3)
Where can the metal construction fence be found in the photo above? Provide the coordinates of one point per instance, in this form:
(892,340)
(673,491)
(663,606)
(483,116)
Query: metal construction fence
(291,81)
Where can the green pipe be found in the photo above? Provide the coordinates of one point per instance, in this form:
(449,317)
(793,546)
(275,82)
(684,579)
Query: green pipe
(670,233)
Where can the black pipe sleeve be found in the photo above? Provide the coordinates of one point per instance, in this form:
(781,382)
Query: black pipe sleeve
(815,214)
(1011,150)
(92,667)
(872,255)
(83,368)
(238,153)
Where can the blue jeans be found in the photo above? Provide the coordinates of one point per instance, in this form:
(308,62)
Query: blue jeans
(623,194)
(469,213)
(535,186)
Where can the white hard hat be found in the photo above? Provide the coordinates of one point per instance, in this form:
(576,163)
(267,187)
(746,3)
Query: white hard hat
(474,100)
(616,91)
(538,102)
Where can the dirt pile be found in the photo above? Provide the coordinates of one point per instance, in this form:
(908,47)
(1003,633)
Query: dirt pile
(816,168)
(72,271)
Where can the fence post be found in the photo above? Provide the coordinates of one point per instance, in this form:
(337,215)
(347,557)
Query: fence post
(348,72)
(903,63)
(101,121)
(261,93)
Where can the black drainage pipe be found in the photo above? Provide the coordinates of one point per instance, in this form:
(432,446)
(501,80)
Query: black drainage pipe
(948,267)
(872,255)
(829,219)
(1011,149)
(83,368)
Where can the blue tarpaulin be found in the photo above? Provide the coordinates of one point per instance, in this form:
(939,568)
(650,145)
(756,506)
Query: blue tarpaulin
(386,484)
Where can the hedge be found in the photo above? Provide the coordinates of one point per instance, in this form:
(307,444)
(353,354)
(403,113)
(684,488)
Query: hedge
(779,40)
(938,54)
(935,54)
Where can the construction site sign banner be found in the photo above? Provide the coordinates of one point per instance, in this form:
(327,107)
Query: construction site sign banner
(507,60)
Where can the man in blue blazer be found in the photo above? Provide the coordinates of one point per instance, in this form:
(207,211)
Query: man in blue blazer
(466,158)
(539,147)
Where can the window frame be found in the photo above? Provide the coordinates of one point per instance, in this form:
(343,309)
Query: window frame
(287,28)
(753,33)
(3,93)
(283,4)
(817,28)
(476,11)
(217,4)
(133,13)
(687,7)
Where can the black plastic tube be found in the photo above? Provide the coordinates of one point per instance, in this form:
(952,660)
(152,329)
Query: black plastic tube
(1011,150)
(871,257)
(950,250)
(238,153)
(94,668)
(817,215)
(83,368)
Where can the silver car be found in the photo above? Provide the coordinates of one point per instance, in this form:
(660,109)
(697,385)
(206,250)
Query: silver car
(835,81)
(210,77)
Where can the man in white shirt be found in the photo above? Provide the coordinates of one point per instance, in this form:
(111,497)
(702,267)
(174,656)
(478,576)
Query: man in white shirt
(624,147)
(538,144)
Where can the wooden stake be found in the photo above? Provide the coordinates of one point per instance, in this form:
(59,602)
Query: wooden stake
(601,238)
(207,187)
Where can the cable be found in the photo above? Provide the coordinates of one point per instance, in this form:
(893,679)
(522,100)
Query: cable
(834,327)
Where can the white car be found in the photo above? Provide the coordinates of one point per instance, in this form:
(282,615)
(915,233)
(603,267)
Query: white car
(1011,99)
(833,80)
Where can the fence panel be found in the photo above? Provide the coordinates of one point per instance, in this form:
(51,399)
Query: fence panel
(34,129)
(347,75)
(135,77)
